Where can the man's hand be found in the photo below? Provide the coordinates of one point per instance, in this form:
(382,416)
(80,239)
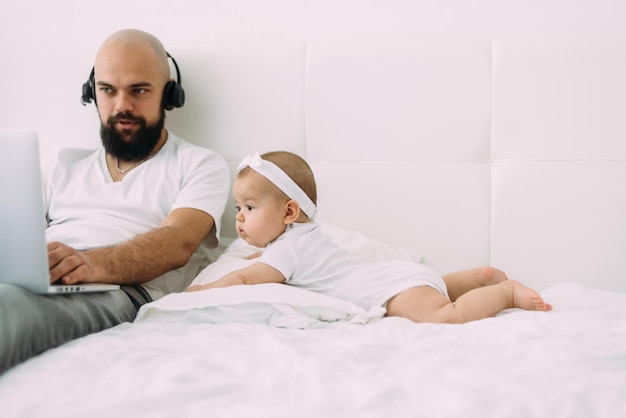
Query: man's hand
(67,264)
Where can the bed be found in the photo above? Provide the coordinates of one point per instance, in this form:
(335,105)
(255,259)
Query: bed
(454,151)
(272,351)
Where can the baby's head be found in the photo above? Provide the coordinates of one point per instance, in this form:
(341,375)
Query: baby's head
(273,191)
(297,169)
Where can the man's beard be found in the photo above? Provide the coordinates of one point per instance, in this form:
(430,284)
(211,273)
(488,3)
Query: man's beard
(136,148)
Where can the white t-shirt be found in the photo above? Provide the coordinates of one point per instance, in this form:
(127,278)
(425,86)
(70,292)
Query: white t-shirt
(309,259)
(87,209)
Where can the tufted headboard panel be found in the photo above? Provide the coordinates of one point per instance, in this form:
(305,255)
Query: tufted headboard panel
(559,159)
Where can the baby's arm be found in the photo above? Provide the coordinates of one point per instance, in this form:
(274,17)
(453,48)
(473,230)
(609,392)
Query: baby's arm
(257,273)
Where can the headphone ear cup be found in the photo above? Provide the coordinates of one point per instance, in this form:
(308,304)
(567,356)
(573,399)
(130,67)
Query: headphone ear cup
(173,95)
(86,96)
(88,93)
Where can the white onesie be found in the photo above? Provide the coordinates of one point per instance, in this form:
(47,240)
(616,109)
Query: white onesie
(309,259)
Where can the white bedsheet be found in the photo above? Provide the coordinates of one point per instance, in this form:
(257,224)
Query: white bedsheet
(189,356)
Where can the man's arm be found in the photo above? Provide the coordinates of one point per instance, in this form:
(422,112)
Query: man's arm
(257,273)
(138,260)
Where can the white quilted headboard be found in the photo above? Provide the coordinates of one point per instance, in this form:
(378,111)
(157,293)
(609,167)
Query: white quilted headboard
(510,153)
(469,148)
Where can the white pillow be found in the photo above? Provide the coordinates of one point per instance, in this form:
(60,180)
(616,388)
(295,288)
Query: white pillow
(369,249)
(235,257)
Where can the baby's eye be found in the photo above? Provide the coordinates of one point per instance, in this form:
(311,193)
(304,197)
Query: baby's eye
(237,208)
(249,207)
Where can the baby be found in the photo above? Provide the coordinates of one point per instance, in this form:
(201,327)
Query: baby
(276,199)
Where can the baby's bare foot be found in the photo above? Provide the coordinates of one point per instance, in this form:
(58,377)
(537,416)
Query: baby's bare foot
(527,298)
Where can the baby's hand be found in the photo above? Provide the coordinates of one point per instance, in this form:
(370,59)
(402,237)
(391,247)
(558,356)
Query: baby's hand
(194,288)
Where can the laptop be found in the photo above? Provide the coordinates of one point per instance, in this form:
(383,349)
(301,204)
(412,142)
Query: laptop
(23,249)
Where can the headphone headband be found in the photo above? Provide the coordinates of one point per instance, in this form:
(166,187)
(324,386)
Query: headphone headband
(173,92)
(179,79)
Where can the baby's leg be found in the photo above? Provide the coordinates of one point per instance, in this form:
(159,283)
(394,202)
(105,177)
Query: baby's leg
(461,282)
(426,304)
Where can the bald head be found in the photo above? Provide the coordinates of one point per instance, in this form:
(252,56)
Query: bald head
(133,41)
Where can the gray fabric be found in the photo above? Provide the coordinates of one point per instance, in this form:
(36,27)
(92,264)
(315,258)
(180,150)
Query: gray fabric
(31,324)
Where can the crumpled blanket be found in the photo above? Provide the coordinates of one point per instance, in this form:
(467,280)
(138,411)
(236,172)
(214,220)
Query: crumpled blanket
(277,305)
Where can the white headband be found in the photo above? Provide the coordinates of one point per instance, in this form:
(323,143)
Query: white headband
(280,179)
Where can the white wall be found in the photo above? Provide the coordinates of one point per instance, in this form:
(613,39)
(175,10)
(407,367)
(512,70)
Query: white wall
(47,48)
(80,23)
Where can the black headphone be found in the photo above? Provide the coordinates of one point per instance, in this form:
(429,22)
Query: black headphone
(173,93)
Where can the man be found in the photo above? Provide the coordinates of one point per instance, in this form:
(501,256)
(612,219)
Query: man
(141,211)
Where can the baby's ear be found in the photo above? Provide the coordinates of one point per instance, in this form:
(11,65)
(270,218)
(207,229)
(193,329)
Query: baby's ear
(292,211)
